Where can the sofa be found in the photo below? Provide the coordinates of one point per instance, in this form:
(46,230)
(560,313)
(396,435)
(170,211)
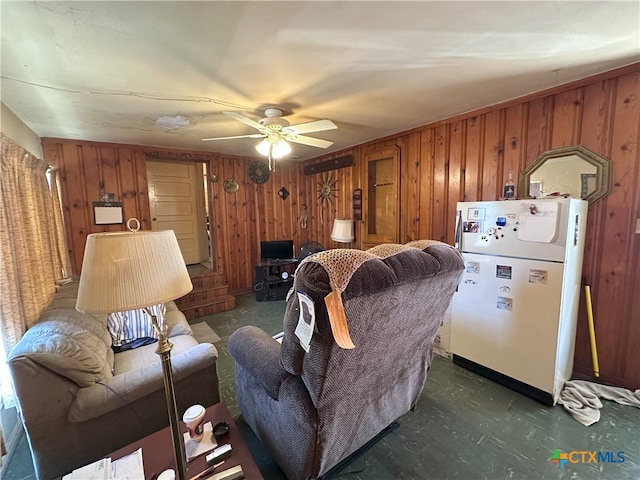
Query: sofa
(344,374)
(79,401)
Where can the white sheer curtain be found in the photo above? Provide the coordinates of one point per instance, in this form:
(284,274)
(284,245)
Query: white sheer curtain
(32,246)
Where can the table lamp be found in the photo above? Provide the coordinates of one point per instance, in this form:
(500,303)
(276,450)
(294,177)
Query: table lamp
(134,270)
(343,231)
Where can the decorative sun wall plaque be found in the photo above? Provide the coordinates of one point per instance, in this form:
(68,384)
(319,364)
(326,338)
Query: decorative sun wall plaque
(327,189)
(258,172)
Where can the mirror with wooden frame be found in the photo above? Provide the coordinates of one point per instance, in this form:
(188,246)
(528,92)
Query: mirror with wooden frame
(575,170)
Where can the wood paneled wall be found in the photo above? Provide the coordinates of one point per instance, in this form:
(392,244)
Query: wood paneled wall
(85,170)
(462,158)
(238,221)
(252,214)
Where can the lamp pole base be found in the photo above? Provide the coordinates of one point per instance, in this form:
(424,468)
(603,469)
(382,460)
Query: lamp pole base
(164,350)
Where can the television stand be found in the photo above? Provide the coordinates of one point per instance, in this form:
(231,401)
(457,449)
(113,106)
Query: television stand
(274,278)
(277,261)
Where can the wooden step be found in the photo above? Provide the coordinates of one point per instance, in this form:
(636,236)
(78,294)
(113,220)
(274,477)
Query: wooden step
(210,294)
(208,307)
(203,293)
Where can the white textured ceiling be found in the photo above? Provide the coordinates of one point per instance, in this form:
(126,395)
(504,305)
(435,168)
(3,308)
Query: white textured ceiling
(106,71)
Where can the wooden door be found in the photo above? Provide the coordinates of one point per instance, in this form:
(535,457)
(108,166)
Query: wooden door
(381,192)
(176,201)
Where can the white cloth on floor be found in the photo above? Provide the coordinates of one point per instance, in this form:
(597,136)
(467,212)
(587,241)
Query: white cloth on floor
(581,399)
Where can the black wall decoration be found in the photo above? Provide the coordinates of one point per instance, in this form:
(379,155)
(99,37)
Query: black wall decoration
(259,172)
(283,193)
(357,204)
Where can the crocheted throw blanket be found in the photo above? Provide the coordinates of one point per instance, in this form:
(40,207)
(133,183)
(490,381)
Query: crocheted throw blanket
(340,265)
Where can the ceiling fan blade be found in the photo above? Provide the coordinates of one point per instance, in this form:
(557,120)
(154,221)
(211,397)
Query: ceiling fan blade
(253,135)
(312,142)
(245,120)
(315,126)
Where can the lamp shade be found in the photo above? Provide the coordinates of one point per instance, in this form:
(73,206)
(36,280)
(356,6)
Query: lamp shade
(130,270)
(343,231)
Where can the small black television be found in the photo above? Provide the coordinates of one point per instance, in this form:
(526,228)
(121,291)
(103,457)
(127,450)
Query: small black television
(276,249)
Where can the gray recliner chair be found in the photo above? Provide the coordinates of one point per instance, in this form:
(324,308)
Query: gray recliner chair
(376,316)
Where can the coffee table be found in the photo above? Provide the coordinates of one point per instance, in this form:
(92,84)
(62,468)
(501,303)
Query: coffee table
(158,454)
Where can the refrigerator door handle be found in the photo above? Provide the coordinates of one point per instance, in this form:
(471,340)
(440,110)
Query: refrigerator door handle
(458,235)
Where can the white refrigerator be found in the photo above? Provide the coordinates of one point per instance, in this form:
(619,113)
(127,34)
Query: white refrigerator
(515,311)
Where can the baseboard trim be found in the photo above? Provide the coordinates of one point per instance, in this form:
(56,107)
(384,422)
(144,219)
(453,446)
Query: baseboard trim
(520,387)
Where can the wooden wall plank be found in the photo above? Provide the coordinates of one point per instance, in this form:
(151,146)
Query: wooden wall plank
(566,118)
(492,154)
(402,143)
(473,161)
(231,222)
(514,153)
(440,186)
(108,165)
(216,221)
(91,158)
(141,192)
(411,208)
(427,149)
(80,215)
(127,181)
(455,177)
(539,127)
(312,208)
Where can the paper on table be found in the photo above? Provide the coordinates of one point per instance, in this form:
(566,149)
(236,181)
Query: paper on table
(99,470)
(129,467)
(538,222)
(208,443)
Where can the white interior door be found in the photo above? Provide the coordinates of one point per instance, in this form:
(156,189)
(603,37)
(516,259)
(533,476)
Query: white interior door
(176,199)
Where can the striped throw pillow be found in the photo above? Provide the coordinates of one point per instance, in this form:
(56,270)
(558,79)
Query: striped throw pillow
(134,327)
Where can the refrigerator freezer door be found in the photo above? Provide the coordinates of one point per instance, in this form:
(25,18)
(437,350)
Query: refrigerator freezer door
(523,228)
(505,316)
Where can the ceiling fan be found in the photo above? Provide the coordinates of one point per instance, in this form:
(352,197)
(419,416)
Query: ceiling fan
(276,132)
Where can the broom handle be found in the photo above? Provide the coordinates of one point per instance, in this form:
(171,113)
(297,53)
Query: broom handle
(592,332)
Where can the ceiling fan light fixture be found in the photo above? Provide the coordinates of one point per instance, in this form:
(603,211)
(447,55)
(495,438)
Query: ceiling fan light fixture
(263,147)
(278,149)
(281,149)
(277,133)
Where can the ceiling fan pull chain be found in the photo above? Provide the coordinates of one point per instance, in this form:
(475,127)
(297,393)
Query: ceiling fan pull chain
(272,163)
